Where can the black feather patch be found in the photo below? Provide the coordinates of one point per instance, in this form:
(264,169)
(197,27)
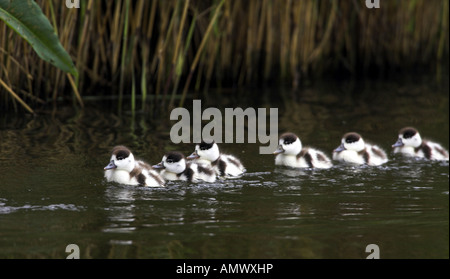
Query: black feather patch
(136,172)
(141,179)
(408,132)
(207,171)
(288,138)
(173,157)
(221,166)
(425,149)
(157,178)
(366,156)
(308,160)
(189,173)
(235,162)
(442,151)
(378,152)
(205,145)
(321,157)
(307,156)
(351,137)
(121,152)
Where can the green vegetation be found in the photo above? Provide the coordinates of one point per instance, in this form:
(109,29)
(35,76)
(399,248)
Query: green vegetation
(27,19)
(153,52)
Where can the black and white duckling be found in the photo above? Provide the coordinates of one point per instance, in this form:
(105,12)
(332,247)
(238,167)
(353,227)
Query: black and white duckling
(225,165)
(411,144)
(354,150)
(175,167)
(124,169)
(290,153)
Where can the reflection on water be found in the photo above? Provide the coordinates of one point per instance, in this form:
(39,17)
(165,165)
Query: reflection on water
(53,193)
(4,209)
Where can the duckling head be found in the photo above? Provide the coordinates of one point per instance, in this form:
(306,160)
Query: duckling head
(289,144)
(121,159)
(172,162)
(351,141)
(207,150)
(409,137)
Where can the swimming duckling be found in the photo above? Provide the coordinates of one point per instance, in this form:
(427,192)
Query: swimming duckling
(290,153)
(410,143)
(224,164)
(175,167)
(124,169)
(354,150)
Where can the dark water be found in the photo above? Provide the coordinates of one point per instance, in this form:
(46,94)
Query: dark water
(52,191)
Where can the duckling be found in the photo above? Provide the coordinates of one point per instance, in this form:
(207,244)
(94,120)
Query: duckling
(225,165)
(290,153)
(354,150)
(410,143)
(124,169)
(175,167)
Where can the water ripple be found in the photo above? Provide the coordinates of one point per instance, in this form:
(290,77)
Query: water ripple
(52,207)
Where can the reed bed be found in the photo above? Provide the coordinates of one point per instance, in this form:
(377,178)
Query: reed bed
(151,53)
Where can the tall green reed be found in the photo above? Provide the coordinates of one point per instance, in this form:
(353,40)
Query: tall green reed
(155,52)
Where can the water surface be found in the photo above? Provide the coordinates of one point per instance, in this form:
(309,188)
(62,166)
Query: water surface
(52,190)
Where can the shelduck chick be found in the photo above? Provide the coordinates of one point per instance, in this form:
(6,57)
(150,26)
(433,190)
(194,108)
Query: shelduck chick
(175,167)
(124,169)
(411,144)
(354,150)
(291,153)
(224,165)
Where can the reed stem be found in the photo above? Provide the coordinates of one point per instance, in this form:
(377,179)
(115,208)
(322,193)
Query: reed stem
(174,46)
(199,52)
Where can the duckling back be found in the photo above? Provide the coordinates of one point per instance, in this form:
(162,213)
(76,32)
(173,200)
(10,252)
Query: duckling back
(228,166)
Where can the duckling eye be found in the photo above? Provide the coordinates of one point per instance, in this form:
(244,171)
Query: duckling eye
(170,161)
(288,142)
(120,158)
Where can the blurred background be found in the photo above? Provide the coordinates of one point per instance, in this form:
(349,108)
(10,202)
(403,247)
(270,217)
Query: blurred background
(156,53)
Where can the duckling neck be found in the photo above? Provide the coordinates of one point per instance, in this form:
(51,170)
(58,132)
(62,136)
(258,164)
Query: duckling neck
(186,168)
(215,161)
